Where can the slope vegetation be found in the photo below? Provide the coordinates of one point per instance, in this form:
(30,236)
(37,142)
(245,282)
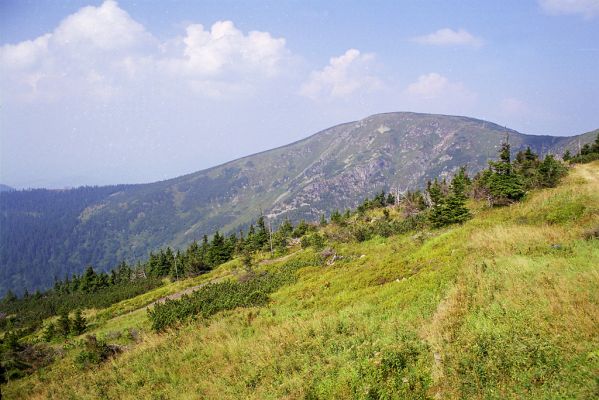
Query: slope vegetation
(333,169)
(504,306)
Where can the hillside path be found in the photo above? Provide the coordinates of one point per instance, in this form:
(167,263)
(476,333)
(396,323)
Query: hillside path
(589,173)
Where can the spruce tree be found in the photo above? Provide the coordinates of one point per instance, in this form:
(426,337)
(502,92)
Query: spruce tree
(550,171)
(49,332)
(504,184)
(437,215)
(79,323)
(64,324)
(455,204)
(567,156)
(323,220)
(286,228)
(261,238)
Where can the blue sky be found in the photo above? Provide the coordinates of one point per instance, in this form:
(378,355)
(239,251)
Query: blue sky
(99,92)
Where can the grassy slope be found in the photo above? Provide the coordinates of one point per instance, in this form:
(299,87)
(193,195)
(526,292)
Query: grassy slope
(505,306)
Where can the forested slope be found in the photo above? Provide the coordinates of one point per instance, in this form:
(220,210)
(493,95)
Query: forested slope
(47,234)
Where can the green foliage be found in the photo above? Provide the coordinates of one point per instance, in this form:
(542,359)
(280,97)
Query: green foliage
(95,352)
(19,358)
(399,371)
(31,311)
(550,172)
(217,297)
(323,220)
(588,153)
(525,358)
(315,240)
(450,208)
(64,324)
(79,324)
(504,184)
(380,200)
(302,228)
(49,332)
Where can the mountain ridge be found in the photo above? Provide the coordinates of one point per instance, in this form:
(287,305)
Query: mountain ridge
(330,169)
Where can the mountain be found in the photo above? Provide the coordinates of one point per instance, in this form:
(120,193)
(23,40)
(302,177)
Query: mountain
(502,306)
(5,188)
(48,233)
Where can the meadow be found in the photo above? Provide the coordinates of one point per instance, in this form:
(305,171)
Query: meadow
(503,306)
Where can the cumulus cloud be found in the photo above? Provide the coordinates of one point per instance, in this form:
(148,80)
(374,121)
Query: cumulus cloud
(106,27)
(99,51)
(587,8)
(343,76)
(433,86)
(450,37)
(224,48)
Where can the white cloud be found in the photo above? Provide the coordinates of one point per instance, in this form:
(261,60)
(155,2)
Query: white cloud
(101,51)
(433,92)
(106,27)
(345,75)
(224,48)
(587,8)
(434,85)
(449,37)
(25,54)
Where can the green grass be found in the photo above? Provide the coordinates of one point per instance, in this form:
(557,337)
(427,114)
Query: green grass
(502,307)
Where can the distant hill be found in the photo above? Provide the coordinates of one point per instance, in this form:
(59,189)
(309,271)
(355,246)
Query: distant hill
(48,233)
(5,188)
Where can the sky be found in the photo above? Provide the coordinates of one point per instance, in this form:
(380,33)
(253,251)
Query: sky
(107,92)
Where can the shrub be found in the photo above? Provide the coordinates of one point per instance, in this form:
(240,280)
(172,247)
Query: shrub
(95,352)
(216,297)
(315,240)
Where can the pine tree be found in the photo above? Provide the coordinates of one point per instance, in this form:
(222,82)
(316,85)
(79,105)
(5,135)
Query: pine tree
(79,323)
(217,250)
(449,208)
(88,280)
(550,171)
(9,297)
(455,204)
(323,220)
(301,229)
(567,155)
(336,217)
(49,332)
(64,324)
(286,228)
(503,183)
(390,199)
(261,237)
(437,214)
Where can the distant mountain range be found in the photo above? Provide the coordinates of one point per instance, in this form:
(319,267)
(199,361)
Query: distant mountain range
(51,233)
(5,188)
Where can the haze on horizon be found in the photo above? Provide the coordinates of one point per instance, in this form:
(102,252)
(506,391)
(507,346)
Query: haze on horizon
(99,92)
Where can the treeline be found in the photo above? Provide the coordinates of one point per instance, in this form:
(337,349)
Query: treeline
(26,314)
(94,289)
(589,152)
(31,223)
(444,202)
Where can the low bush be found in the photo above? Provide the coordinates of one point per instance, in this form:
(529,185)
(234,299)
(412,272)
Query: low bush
(216,297)
(95,352)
